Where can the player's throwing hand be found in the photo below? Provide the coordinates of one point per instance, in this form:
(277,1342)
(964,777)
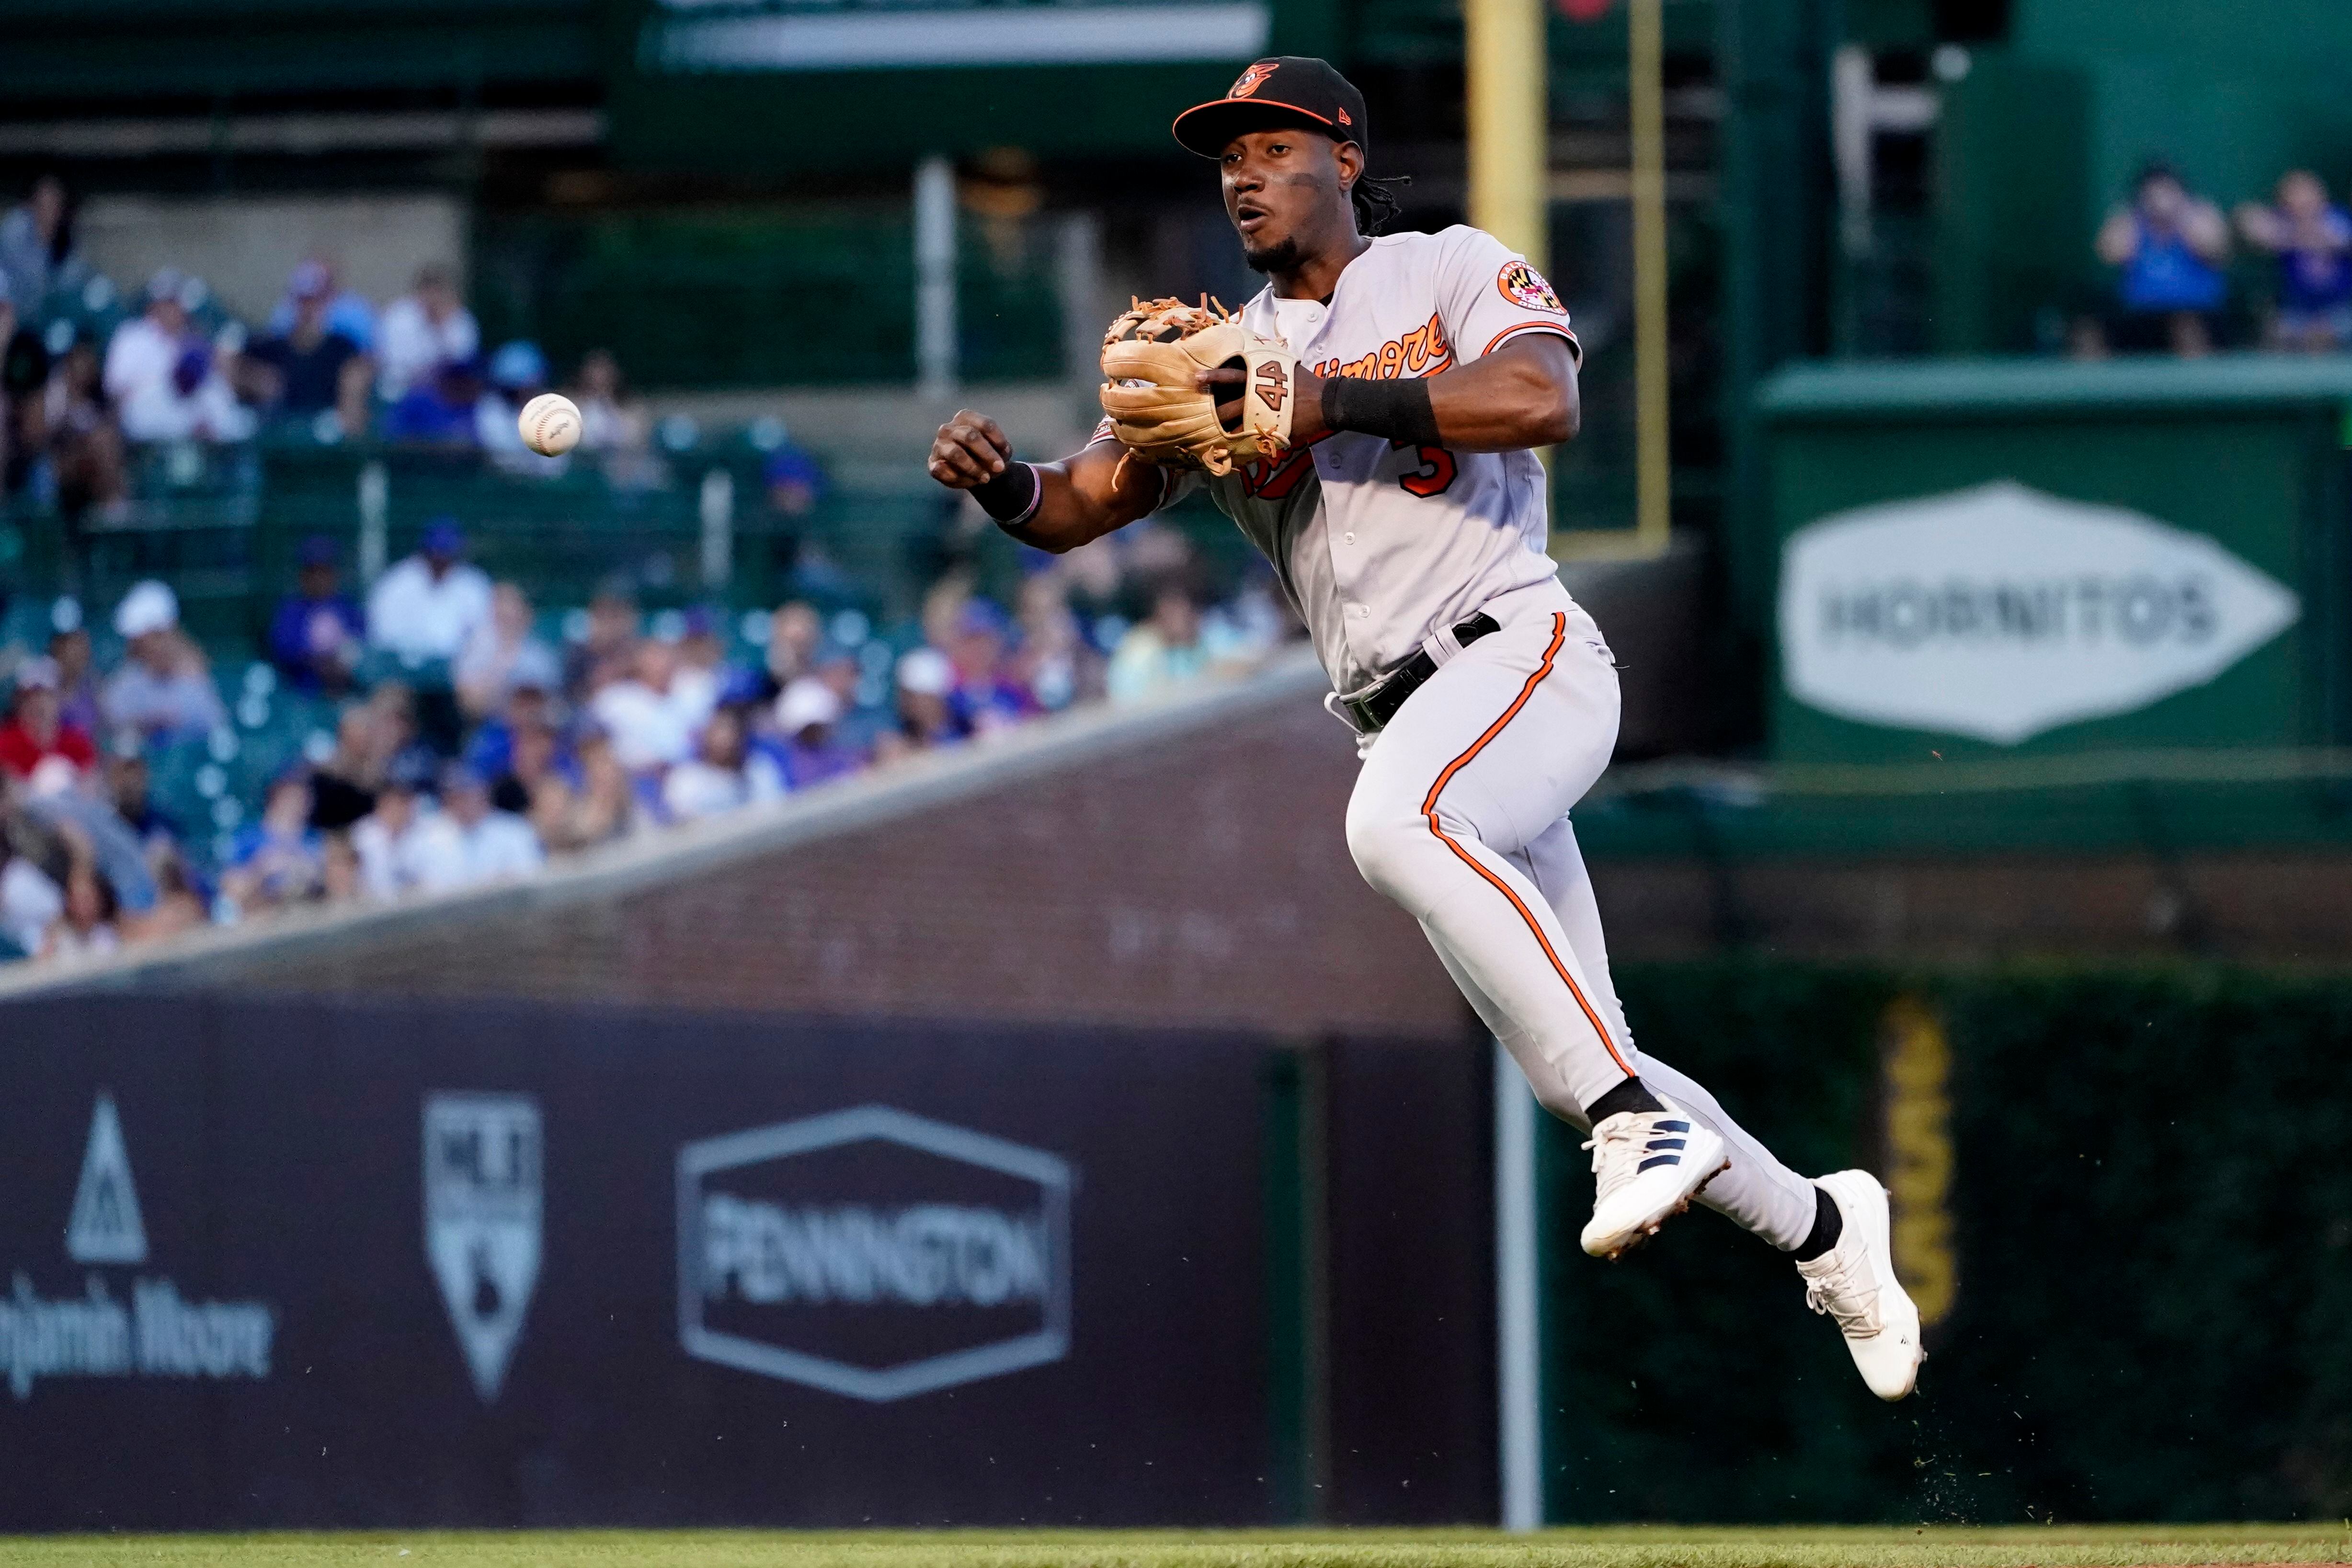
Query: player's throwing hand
(969,451)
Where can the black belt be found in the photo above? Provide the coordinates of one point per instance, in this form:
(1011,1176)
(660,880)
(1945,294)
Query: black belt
(1370,708)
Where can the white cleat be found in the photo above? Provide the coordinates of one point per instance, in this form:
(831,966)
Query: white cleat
(1646,1168)
(1854,1283)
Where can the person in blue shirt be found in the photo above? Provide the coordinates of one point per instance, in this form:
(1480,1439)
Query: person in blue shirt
(348,312)
(795,480)
(318,635)
(2168,247)
(440,408)
(315,365)
(2311,238)
(805,745)
(280,858)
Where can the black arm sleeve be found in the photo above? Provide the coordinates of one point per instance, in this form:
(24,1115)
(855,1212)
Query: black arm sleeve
(1399,410)
(1012,496)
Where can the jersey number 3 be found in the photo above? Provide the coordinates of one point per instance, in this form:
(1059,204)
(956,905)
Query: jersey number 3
(1434,476)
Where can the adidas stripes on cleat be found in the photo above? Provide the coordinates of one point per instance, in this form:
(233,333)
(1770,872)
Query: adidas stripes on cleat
(1646,1166)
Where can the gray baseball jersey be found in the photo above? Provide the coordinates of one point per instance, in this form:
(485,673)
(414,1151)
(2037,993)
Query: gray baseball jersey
(1381,545)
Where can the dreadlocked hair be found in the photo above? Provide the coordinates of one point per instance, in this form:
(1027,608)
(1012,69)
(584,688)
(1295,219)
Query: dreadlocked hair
(1376,204)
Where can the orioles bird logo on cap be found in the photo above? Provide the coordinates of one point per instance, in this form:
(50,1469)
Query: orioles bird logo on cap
(1251,80)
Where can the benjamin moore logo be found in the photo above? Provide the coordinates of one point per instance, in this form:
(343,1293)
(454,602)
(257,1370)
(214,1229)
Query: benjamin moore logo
(105,1227)
(2000,612)
(153,1330)
(872,1253)
(483,1215)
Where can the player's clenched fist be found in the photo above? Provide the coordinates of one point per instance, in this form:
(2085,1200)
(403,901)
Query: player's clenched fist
(969,451)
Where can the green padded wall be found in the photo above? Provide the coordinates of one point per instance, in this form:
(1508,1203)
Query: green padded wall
(2154,1311)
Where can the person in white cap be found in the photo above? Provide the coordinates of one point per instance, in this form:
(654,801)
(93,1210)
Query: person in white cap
(925,679)
(805,715)
(164,690)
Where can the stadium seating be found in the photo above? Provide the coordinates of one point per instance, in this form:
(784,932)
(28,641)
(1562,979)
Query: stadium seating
(223,524)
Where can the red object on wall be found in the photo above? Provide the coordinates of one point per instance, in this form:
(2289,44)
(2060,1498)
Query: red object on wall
(1584,10)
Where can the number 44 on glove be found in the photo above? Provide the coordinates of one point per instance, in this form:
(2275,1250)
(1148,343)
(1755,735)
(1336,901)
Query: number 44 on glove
(1152,361)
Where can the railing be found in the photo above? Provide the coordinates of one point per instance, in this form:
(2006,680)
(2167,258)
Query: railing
(771,296)
(687,523)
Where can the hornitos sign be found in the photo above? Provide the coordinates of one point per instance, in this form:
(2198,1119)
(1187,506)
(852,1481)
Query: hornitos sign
(872,1253)
(2000,612)
(114,1327)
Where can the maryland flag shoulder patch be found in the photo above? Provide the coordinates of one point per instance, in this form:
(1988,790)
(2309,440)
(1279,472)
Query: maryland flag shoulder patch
(1524,286)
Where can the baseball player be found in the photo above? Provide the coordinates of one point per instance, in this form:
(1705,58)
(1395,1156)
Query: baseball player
(1369,422)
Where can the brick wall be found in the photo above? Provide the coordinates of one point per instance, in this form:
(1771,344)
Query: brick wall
(1201,880)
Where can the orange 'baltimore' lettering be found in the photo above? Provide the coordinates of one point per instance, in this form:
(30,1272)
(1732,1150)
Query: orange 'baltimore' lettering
(1424,351)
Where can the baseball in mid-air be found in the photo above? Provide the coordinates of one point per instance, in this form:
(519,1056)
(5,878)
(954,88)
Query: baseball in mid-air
(550,424)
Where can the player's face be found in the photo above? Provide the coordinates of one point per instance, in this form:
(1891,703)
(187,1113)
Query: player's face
(1286,192)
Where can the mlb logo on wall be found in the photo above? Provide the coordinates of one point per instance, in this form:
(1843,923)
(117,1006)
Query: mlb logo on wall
(482,1221)
(872,1254)
(2001,612)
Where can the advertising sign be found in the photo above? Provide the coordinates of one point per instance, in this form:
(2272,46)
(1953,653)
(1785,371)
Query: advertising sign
(290,1263)
(872,1253)
(124,1317)
(2001,612)
(828,35)
(770,86)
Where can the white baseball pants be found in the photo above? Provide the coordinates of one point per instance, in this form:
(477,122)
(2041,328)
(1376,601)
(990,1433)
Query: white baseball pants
(1461,816)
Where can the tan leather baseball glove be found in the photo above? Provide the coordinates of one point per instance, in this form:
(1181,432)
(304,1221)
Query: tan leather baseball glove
(1151,361)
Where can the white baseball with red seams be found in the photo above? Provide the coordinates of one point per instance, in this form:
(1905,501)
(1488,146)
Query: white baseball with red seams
(1460,814)
(550,424)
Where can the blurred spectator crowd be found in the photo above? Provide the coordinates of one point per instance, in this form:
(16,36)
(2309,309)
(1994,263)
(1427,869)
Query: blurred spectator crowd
(435,728)
(450,734)
(2172,253)
(86,372)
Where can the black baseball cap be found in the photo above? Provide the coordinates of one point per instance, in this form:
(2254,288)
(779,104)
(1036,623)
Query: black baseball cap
(1281,89)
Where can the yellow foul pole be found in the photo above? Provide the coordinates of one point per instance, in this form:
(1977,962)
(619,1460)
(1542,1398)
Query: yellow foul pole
(1509,126)
(1505,89)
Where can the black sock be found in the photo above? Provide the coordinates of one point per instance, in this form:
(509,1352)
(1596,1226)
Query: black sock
(1630,1095)
(1828,1225)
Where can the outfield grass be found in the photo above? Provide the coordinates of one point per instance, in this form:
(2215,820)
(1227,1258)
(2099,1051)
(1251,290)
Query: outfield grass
(1932,1546)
